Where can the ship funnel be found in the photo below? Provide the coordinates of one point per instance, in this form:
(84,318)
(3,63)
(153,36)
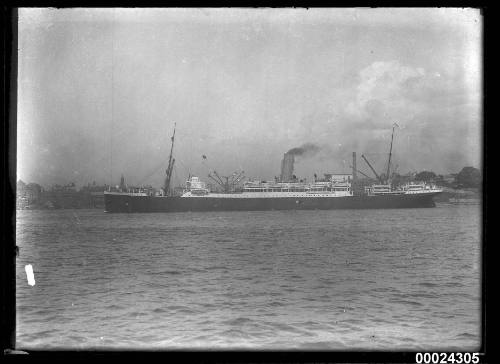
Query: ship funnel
(287,167)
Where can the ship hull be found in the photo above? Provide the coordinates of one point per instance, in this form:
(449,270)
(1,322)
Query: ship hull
(127,203)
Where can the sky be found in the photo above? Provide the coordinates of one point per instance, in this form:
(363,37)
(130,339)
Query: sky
(99,91)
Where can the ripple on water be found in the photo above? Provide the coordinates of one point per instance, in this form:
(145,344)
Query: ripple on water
(283,279)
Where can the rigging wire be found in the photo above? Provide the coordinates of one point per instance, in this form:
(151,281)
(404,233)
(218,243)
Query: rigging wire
(186,170)
(176,177)
(155,170)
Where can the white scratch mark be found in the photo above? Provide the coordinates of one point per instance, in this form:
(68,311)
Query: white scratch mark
(30,275)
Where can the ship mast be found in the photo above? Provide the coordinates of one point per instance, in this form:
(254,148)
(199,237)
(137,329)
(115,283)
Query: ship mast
(390,154)
(170,167)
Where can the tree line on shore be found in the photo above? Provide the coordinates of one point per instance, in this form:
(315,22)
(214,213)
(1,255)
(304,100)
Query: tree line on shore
(468,177)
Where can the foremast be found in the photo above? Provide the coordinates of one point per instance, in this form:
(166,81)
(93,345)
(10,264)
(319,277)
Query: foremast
(390,155)
(171,162)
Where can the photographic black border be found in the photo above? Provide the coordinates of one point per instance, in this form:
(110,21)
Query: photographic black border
(8,211)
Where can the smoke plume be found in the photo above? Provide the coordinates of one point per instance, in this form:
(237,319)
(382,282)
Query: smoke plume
(305,150)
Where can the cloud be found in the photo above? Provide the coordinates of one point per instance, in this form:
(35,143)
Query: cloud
(438,119)
(382,95)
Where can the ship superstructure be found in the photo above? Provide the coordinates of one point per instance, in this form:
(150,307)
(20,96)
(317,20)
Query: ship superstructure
(407,189)
(269,189)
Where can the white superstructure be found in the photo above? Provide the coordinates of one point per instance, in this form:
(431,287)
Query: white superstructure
(271,189)
(407,189)
(420,187)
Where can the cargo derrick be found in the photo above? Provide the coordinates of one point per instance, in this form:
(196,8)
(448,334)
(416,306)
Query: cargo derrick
(373,170)
(227,183)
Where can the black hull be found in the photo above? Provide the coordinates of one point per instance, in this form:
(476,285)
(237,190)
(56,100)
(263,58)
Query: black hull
(126,203)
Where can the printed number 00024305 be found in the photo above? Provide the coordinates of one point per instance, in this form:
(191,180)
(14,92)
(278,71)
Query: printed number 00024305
(447,358)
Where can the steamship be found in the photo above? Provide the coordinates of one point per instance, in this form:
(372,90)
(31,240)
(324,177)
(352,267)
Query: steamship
(285,193)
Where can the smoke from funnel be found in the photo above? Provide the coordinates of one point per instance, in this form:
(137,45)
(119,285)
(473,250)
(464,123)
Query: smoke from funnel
(305,150)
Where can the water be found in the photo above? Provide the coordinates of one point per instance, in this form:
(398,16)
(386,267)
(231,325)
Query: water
(336,280)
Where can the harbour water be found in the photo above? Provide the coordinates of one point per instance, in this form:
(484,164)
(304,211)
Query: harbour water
(406,279)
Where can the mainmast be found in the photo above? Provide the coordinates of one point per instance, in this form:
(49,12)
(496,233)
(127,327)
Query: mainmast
(170,167)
